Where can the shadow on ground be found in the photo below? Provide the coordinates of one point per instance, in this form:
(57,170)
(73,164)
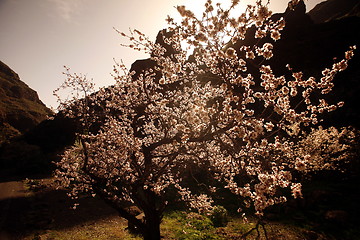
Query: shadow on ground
(49,209)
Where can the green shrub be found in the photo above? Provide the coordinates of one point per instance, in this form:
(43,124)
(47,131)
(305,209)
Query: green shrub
(219,216)
(192,226)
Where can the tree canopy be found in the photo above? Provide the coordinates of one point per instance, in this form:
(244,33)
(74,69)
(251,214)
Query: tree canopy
(199,105)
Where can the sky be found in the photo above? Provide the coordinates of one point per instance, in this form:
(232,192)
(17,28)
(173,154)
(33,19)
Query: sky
(39,37)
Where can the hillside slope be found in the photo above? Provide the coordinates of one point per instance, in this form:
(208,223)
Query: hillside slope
(20,106)
(334,9)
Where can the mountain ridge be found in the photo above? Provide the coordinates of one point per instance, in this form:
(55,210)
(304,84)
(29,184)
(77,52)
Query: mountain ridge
(334,9)
(20,106)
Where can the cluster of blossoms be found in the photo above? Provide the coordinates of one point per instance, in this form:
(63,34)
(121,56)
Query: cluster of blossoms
(326,149)
(206,108)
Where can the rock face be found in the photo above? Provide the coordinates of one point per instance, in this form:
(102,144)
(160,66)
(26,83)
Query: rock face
(335,9)
(20,112)
(320,45)
(20,106)
(311,47)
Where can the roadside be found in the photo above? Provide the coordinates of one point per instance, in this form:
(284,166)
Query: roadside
(35,209)
(8,192)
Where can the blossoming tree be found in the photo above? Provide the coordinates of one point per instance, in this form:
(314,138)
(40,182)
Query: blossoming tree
(206,109)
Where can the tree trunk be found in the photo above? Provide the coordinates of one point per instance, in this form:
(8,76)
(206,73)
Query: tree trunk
(152,227)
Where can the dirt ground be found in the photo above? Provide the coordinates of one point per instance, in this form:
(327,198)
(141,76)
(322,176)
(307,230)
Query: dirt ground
(27,207)
(9,192)
(35,209)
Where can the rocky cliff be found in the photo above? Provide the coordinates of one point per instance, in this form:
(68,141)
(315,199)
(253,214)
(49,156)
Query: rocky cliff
(335,9)
(311,47)
(20,106)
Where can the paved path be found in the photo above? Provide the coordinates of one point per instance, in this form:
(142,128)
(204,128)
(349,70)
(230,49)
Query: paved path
(8,191)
